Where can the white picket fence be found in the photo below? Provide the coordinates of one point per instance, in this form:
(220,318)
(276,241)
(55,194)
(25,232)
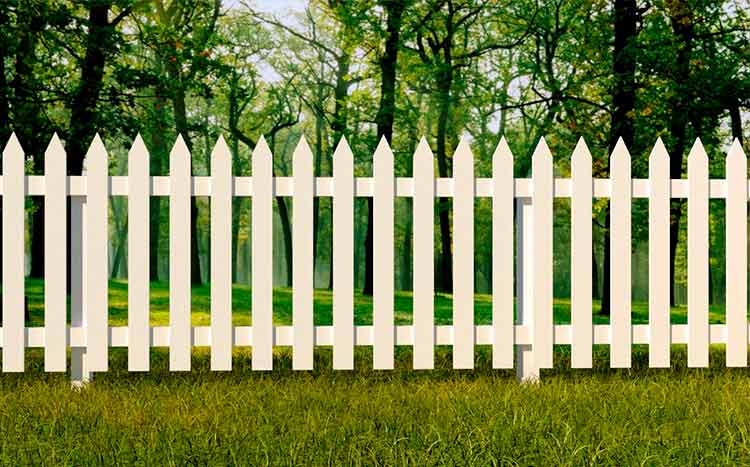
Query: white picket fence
(530,337)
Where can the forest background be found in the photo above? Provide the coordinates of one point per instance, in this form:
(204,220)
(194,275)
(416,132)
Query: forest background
(368,69)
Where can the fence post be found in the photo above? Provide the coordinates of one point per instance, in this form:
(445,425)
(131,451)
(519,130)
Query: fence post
(527,370)
(79,372)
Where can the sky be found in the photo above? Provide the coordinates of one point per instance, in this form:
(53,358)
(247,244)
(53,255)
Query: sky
(271,6)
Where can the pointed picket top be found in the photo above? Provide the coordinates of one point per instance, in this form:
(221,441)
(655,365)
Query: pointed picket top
(54,149)
(138,149)
(96,154)
(502,151)
(463,150)
(261,148)
(220,153)
(302,151)
(383,150)
(423,165)
(541,159)
(581,153)
(620,157)
(735,152)
(542,150)
(343,150)
(697,153)
(13,147)
(423,150)
(179,150)
(97,146)
(658,153)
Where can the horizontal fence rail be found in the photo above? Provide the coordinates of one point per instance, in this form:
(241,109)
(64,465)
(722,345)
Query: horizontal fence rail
(522,213)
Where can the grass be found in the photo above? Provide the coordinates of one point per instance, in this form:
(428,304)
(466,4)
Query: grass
(323,306)
(602,416)
(482,417)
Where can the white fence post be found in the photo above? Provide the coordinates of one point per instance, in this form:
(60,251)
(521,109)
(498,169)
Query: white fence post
(527,370)
(79,371)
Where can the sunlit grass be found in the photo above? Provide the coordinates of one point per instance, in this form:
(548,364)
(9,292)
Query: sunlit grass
(323,306)
(599,416)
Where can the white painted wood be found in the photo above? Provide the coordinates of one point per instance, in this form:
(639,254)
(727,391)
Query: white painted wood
(13,256)
(55,257)
(97,267)
(697,242)
(343,257)
(463,257)
(80,375)
(138,256)
(364,335)
(382,299)
(502,257)
(541,168)
(221,257)
(302,257)
(262,256)
(424,256)
(364,187)
(179,257)
(658,258)
(527,370)
(619,273)
(580,256)
(736,251)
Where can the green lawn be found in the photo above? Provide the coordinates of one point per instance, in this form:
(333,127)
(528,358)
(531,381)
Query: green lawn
(482,417)
(118,307)
(639,416)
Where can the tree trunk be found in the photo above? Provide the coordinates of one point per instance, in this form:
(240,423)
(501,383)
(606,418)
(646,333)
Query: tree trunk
(286,230)
(316,199)
(83,121)
(181,125)
(159,154)
(121,229)
(682,27)
(29,127)
(445,281)
(736,119)
(235,143)
(623,105)
(394,10)
(4,117)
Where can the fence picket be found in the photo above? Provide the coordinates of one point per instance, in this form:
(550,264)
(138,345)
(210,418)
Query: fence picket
(463,256)
(343,257)
(619,273)
(658,257)
(541,173)
(503,320)
(13,286)
(302,257)
(581,257)
(221,256)
(697,247)
(55,257)
(736,254)
(139,345)
(262,256)
(180,335)
(424,248)
(97,270)
(382,298)
(90,336)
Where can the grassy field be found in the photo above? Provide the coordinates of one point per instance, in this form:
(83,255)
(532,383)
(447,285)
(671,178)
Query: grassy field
(441,417)
(639,416)
(118,307)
